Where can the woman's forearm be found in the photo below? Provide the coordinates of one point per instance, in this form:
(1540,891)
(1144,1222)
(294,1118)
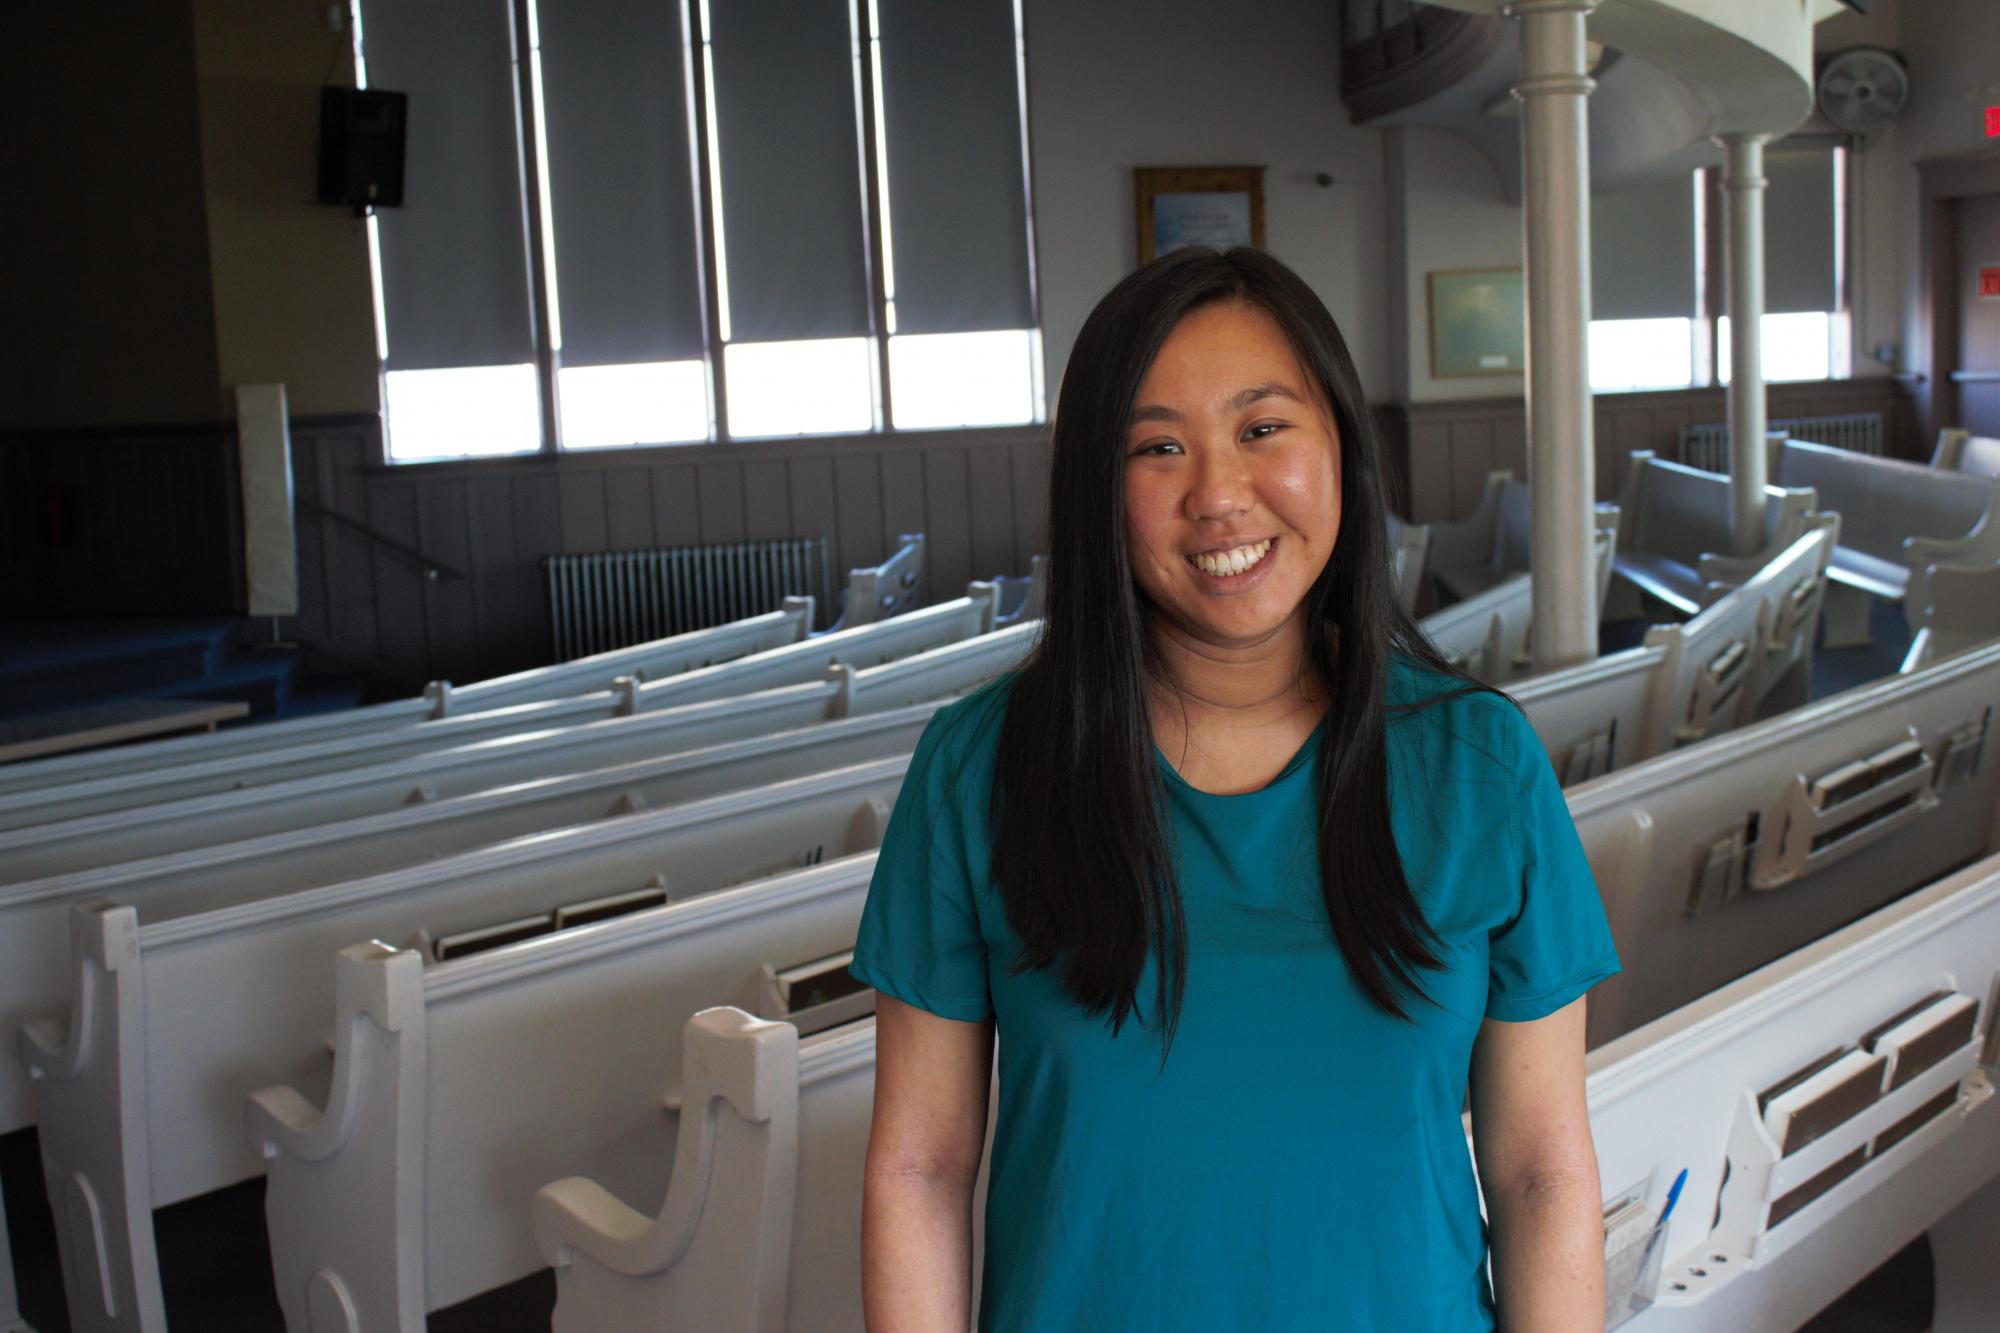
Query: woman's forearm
(1547,1239)
(916,1253)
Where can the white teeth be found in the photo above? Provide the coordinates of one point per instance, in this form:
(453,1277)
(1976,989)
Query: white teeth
(1236,560)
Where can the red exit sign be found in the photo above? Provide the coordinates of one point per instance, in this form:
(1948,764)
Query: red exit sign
(1993,122)
(1989,282)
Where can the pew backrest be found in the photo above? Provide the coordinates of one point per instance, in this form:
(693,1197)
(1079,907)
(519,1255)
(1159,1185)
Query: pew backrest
(152,830)
(1962,451)
(863,646)
(1885,501)
(482,1112)
(1719,857)
(264,962)
(585,675)
(1682,1092)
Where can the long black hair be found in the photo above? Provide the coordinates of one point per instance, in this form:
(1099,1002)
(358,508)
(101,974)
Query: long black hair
(1078,814)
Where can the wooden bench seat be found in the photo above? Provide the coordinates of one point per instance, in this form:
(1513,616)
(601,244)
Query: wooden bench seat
(1484,550)
(1962,451)
(1674,541)
(139,1091)
(1896,518)
(864,646)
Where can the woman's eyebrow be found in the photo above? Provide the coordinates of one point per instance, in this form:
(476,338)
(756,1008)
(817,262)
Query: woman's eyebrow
(1241,399)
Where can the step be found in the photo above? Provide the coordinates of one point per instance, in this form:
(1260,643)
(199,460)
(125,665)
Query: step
(49,664)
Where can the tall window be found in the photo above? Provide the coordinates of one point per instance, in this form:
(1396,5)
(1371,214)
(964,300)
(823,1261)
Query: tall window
(1657,321)
(634,222)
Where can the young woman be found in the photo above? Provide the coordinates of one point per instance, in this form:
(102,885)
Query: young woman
(1249,885)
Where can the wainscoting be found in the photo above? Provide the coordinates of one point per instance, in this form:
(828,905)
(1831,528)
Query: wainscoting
(1448,448)
(978,496)
(98,523)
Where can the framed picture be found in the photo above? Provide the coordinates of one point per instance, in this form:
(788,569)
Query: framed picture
(1479,323)
(1218,206)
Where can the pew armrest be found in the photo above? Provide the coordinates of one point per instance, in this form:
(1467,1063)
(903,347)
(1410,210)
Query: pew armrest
(579,1216)
(280,1119)
(1981,546)
(48,1051)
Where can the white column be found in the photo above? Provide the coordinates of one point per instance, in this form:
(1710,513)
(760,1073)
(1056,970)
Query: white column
(1743,186)
(1561,462)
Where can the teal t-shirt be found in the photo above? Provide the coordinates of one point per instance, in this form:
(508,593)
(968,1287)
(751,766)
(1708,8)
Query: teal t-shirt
(1300,1163)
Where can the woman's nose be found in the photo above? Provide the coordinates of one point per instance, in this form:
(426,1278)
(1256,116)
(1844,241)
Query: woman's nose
(1221,487)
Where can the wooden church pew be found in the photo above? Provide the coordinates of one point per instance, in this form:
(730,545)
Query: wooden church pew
(653,660)
(1674,540)
(1951,608)
(174,1022)
(1743,1253)
(90,841)
(1718,858)
(1490,545)
(587,675)
(1487,633)
(1896,517)
(411,1190)
(1409,556)
(865,645)
(1961,451)
(759,1241)
(34,928)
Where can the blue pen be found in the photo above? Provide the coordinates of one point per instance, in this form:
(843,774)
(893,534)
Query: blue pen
(1673,1195)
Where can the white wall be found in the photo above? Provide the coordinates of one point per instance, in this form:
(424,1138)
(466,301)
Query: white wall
(1112,87)
(1451,211)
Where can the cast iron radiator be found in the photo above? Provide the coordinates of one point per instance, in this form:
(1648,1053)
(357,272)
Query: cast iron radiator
(1707,447)
(608,599)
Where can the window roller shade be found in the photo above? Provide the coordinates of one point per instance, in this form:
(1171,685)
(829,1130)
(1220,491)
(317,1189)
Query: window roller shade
(628,266)
(455,255)
(1798,230)
(795,247)
(1642,251)
(957,197)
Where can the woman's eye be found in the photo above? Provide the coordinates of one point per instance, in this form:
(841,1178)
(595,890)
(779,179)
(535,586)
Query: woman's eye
(1264,430)
(1159,448)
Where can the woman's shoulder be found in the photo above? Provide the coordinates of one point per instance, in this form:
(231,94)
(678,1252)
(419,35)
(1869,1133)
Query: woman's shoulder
(1464,726)
(965,733)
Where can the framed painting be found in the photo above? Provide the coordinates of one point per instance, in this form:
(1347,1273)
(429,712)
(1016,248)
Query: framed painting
(1479,322)
(1218,206)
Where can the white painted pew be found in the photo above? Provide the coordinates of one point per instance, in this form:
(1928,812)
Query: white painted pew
(787,1120)
(1716,859)
(1409,554)
(1681,1092)
(1740,658)
(1951,608)
(863,646)
(412,1189)
(34,927)
(1896,518)
(886,590)
(1023,598)
(139,1096)
(586,675)
(1472,555)
(1674,539)
(1487,633)
(69,845)
(1961,451)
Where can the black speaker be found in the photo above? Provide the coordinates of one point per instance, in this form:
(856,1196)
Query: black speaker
(361,147)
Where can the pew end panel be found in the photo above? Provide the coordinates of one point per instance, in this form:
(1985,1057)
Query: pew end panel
(1954,607)
(717,1253)
(1959,450)
(91,1112)
(1596,716)
(887,589)
(332,1172)
(1746,1252)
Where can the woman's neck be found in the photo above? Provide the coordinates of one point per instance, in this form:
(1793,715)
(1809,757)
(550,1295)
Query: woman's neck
(1231,685)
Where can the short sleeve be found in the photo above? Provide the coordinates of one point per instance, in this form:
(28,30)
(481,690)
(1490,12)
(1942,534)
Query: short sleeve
(1557,945)
(919,939)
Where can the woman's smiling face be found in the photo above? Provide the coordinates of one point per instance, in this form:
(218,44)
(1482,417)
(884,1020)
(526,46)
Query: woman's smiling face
(1232,477)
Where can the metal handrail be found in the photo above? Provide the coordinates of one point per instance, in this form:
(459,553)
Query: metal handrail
(431,566)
